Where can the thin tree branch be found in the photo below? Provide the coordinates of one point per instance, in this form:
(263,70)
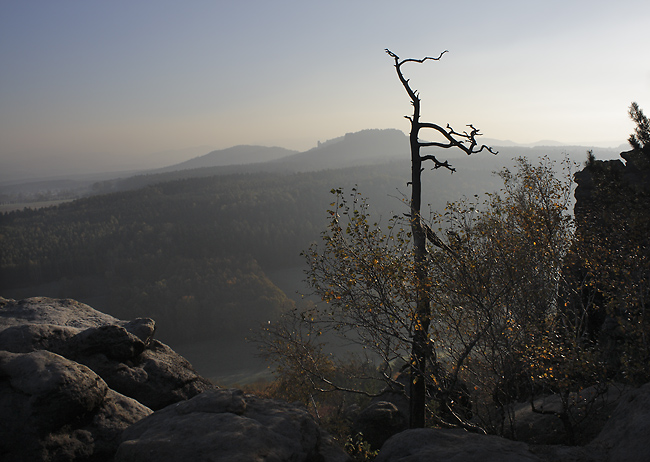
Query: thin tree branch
(437,163)
(396,58)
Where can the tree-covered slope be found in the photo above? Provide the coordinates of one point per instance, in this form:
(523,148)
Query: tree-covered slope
(194,253)
(188,253)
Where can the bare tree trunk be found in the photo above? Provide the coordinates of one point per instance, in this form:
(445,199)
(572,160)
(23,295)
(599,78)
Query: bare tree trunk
(421,351)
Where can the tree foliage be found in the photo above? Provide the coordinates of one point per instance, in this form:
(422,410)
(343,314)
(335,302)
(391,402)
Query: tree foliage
(365,277)
(500,287)
(640,139)
(504,328)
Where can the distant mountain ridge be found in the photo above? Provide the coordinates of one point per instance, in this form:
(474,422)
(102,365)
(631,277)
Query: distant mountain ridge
(366,147)
(358,148)
(236,155)
(620,146)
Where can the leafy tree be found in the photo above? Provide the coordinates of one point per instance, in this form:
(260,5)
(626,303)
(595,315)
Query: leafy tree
(640,139)
(498,284)
(501,328)
(365,277)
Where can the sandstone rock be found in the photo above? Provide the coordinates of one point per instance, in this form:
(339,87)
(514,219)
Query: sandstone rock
(378,422)
(589,410)
(52,408)
(143,328)
(112,341)
(31,337)
(157,377)
(123,353)
(59,312)
(624,437)
(560,453)
(228,425)
(73,378)
(427,445)
(626,434)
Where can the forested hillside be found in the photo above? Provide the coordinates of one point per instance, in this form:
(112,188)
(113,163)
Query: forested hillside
(195,253)
(236,155)
(189,253)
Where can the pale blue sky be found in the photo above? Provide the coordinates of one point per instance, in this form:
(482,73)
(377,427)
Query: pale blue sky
(121,79)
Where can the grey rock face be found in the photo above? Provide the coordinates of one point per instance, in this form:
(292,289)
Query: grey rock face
(425,445)
(589,411)
(43,310)
(623,438)
(378,422)
(626,435)
(76,384)
(73,378)
(123,353)
(52,408)
(228,425)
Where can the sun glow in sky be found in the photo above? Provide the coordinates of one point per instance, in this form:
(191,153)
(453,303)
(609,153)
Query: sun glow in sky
(120,79)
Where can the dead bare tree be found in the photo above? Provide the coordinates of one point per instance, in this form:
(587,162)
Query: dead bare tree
(466,141)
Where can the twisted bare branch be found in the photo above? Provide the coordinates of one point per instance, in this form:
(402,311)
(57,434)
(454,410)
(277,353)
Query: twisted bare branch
(465,141)
(413,60)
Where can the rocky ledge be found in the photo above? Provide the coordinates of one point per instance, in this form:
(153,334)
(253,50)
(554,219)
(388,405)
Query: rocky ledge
(79,385)
(623,438)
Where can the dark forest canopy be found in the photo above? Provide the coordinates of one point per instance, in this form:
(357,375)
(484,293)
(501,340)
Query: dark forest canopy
(168,244)
(186,247)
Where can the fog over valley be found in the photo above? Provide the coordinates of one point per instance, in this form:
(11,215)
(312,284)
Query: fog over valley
(210,246)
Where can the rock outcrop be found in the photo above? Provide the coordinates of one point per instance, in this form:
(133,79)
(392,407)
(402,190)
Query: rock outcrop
(79,385)
(72,379)
(378,422)
(124,354)
(228,425)
(427,444)
(589,410)
(76,384)
(52,408)
(623,438)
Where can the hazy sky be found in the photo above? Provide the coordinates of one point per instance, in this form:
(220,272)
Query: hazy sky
(119,79)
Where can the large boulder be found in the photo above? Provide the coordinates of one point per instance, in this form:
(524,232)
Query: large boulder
(228,425)
(428,444)
(73,378)
(123,353)
(625,436)
(378,422)
(589,410)
(54,409)
(76,384)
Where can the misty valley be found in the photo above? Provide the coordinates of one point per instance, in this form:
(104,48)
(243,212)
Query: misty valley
(213,251)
